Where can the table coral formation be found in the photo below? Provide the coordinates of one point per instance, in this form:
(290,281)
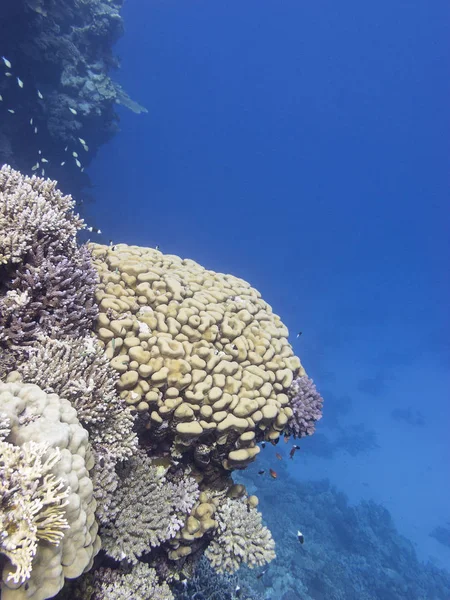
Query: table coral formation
(150,379)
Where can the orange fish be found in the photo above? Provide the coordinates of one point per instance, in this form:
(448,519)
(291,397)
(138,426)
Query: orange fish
(273,473)
(286,438)
(279,456)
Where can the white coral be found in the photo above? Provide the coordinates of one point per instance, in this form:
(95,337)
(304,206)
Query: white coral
(33,502)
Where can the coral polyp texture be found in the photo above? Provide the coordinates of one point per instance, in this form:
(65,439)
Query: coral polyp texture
(51,490)
(198,352)
(132,385)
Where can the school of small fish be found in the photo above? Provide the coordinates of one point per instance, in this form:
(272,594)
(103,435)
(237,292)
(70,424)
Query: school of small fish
(8,73)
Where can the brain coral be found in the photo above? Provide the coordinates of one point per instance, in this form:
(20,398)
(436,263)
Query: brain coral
(199,353)
(36,417)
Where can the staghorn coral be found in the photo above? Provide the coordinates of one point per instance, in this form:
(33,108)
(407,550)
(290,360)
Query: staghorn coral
(33,211)
(46,281)
(36,417)
(241,538)
(146,509)
(52,293)
(32,504)
(139,582)
(306,403)
(78,370)
(200,354)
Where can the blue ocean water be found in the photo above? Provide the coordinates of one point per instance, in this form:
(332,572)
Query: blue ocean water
(304,147)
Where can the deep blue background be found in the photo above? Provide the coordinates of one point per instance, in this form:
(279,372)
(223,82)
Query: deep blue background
(304,146)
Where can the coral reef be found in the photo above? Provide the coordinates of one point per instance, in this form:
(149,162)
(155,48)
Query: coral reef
(132,385)
(61,50)
(206,583)
(350,552)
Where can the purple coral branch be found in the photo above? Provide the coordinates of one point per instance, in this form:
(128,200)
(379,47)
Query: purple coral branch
(306,403)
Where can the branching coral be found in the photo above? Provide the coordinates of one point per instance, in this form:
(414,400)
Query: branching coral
(306,404)
(51,293)
(139,583)
(32,504)
(241,538)
(31,210)
(78,370)
(146,509)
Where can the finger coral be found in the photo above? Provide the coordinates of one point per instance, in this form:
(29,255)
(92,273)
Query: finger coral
(242,538)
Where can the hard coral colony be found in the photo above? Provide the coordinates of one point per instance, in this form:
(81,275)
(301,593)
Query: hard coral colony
(132,384)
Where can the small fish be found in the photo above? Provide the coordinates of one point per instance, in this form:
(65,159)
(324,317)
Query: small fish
(39,151)
(237,591)
(273,473)
(75,154)
(63,163)
(13,112)
(300,537)
(39,94)
(35,130)
(8,74)
(263,444)
(261,472)
(261,574)
(293,451)
(35,167)
(72,110)
(77,162)
(7,62)
(286,438)
(82,169)
(275,442)
(82,142)
(19,82)
(44,160)
(157,247)
(1,97)
(94,229)
(65,149)
(85,147)
(278,455)
(299,333)
(31,121)
(43,172)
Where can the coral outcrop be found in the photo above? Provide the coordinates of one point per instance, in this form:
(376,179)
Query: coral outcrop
(61,51)
(132,385)
(198,352)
